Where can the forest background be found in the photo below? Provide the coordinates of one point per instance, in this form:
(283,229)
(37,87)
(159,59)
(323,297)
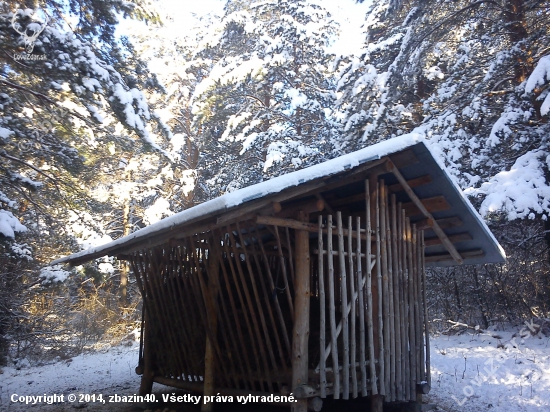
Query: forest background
(115,115)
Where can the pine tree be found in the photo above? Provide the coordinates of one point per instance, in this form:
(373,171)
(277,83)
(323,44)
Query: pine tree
(459,73)
(266,99)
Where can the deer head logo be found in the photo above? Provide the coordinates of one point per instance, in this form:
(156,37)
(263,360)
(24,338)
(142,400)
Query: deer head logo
(34,28)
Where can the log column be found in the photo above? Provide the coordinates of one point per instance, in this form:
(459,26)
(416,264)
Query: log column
(146,386)
(300,332)
(377,400)
(213,271)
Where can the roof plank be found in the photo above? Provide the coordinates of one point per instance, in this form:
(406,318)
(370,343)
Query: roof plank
(431,204)
(456,238)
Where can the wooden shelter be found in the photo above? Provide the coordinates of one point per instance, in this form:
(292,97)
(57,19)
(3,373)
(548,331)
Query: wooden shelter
(311,283)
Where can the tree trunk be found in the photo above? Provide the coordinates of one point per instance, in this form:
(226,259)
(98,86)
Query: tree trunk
(514,16)
(125,269)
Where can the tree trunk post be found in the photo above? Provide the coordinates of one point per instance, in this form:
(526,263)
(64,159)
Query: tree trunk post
(125,269)
(300,333)
(377,401)
(213,271)
(146,386)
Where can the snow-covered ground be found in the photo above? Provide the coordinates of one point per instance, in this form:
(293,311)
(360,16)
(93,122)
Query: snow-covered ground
(489,371)
(492,371)
(107,372)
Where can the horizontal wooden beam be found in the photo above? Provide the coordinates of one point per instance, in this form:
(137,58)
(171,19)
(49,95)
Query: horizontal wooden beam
(307,206)
(445,223)
(416,182)
(419,181)
(459,237)
(431,204)
(442,257)
(267,201)
(295,224)
(359,197)
(336,253)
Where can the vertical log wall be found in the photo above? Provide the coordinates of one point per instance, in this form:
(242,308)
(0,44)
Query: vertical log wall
(230,297)
(371,293)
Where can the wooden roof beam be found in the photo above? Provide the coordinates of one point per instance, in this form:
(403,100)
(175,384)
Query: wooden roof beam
(445,223)
(432,204)
(456,238)
(435,227)
(297,225)
(442,257)
(418,181)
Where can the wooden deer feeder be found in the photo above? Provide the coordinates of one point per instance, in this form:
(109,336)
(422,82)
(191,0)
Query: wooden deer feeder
(311,283)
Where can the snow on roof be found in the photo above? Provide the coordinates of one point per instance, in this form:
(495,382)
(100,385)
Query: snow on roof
(273,186)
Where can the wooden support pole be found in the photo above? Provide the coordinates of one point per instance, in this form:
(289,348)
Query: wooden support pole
(435,226)
(378,299)
(417,309)
(352,274)
(322,303)
(404,303)
(361,300)
(376,303)
(385,288)
(146,385)
(332,312)
(213,271)
(425,304)
(410,315)
(344,300)
(370,322)
(396,300)
(392,334)
(300,332)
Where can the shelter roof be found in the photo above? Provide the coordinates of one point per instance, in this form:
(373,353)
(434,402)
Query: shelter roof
(340,183)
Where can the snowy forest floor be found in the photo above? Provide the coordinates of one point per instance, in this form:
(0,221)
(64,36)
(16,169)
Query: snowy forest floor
(497,370)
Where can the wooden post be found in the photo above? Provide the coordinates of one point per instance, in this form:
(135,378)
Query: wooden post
(377,343)
(300,332)
(396,300)
(411,297)
(332,314)
(213,270)
(372,366)
(405,316)
(384,290)
(425,304)
(344,301)
(322,302)
(353,348)
(361,300)
(392,333)
(146,386)
(378,300)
